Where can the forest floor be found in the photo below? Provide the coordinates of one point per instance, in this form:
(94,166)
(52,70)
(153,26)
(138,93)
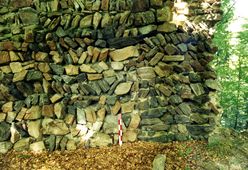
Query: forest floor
(189,155)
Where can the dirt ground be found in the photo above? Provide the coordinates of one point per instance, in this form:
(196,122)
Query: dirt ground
(138,155)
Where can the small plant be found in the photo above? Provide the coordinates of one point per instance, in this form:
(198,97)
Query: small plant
(185,153)
(23,156)
(219,145)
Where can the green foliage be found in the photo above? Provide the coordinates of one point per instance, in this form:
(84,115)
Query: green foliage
(231,65)
(220,146)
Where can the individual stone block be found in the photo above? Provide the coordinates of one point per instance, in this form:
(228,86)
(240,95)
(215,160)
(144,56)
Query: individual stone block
(197,88)
(164,14)
(123,88)
(47,111)
(54,127)
(173,58)
(33,113)
(22,144)
(4,131)
(38,146)
(167,27)
(29,16)
(16,67)
(34,128)
(94,76)
(124,53)
(156,59)
(5,58)
(90,115)
(213,84)
(146,73)
(100,139)
(156,3)
(71,70)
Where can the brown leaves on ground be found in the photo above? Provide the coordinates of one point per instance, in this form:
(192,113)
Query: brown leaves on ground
(138,155)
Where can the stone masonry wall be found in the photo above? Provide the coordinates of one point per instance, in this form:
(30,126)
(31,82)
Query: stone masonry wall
(69,67)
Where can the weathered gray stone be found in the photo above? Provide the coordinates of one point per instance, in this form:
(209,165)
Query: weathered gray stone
(4,131)
(29,16)
(54,127)
(110,124)
(164,14)
(153,113)
(213,84)
(34,75)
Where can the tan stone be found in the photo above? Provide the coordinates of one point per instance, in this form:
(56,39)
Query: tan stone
(69,119)
(123,88)
(56,57)
(103,65)
(4,59)
(21,114)
(41,56)
(20,76)
(130,136)
(2,117)
(156,59)
(34,128)
(37,146)
(102,100)
(87,69)
(71,70)
(135,121)
(82,58)
(44,67)
(11,116)
(94,76)
(105,5)
(104,54)
(124,53)
(159,71)
(47,110)
(146,73)
(5,69)
(101,114)
(13,56)
(56,97)
(71,145)
(127,107)
(96,19)
(173,58)
(90,115)
(7,107)
(16,67)
(96,53)
(59,110)
(73,56)
(165,90)
(117,65)
(115,109)
(46,85)
(33,113)
(109,73)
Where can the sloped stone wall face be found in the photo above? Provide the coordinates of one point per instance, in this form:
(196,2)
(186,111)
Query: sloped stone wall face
(69,67)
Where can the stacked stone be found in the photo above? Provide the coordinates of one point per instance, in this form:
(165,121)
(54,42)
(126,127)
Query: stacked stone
(67,68)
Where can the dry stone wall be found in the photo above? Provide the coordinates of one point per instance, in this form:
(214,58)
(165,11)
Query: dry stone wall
(69,67)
